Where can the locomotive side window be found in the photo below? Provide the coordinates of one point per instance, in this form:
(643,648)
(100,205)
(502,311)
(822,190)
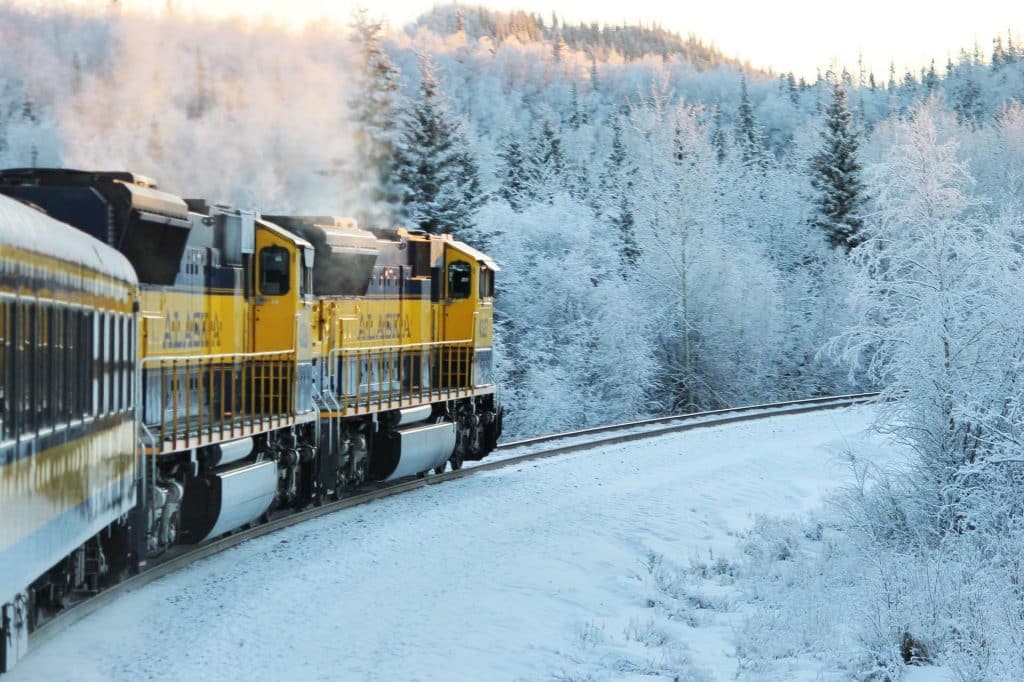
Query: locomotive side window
(275,271)
(306,273)
(459,279)
(486,283)
(306,282)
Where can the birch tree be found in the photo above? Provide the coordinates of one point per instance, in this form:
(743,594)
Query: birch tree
(940,323)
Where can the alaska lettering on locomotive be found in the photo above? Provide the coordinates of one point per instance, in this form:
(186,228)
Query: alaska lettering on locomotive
(199,330)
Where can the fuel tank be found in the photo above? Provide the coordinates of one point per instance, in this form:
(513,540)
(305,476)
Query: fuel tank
(219,501)
(410,450)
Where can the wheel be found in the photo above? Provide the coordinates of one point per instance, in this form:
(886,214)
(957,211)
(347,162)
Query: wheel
(456,461)
(172,529)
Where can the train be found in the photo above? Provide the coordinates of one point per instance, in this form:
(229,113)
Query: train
(176,369)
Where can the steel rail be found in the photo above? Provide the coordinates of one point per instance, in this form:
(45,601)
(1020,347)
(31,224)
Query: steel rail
(849,399)
(176,560)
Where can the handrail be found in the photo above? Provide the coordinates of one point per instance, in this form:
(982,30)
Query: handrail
(386,365)
(400,347)
(218,356)
(190,401)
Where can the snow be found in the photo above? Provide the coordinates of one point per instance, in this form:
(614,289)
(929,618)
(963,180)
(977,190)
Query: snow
(552,569)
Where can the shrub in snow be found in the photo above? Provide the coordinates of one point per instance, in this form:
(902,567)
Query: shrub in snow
(591,635)
(772,539)
(914,651)
(647,633)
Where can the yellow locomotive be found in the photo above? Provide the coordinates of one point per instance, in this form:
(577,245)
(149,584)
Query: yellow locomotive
(273,361)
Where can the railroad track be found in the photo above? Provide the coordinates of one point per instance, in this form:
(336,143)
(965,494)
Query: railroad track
(507,454)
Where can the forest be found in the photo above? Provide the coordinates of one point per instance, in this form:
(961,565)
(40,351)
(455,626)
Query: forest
(677,231)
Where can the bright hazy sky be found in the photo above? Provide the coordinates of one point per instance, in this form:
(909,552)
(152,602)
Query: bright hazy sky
(797,35)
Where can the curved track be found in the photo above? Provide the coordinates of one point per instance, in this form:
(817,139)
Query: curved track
(508,454)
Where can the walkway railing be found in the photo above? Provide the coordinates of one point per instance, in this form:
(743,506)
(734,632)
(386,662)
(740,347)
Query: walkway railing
(197,400)
(391,377)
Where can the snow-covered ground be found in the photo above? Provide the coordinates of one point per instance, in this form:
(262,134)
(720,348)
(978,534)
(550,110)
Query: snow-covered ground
(596,565)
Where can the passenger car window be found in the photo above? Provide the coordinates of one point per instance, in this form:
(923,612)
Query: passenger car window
(275,271)
(459,279)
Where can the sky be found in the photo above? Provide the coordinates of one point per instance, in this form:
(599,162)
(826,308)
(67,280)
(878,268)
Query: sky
(785,35)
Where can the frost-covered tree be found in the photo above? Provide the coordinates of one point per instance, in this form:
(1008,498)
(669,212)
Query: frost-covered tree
(748,134)
(940,319)
(573,350)
(617,187)
(201,100)
(547,165)
(513,175)
(967,102)
(718,136)
(376,106)
(836,176)
(930,79)
(433,165)
(577,117)
(29,135)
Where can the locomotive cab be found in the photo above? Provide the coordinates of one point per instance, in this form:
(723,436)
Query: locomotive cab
(467,309)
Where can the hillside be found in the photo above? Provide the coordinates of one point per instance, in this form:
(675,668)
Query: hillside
(600,42)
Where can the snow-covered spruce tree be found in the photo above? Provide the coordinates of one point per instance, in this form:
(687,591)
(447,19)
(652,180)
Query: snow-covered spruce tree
(718,137)
(376,105)
(577,116)
(967,100)
(616,211)
(546,163)
(29,136)
(749,136)
(938,295)
(513,175)
(433,165)
(836,176)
